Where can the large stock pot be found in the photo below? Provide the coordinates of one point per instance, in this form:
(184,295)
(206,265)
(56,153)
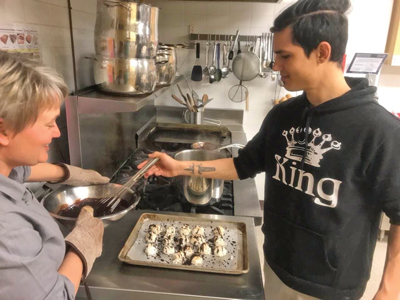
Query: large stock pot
(126,29)
(128,76)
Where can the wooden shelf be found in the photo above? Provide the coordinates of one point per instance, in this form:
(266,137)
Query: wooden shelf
(393,40)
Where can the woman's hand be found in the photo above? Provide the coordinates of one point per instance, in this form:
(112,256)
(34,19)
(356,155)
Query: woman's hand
(166,166)
(87,238)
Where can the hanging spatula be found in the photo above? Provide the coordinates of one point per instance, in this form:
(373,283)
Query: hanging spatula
(197,72)
(231,52)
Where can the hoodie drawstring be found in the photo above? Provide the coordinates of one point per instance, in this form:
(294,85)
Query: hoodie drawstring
(309,113)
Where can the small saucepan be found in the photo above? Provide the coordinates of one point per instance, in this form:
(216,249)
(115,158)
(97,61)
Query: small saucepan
(198,190)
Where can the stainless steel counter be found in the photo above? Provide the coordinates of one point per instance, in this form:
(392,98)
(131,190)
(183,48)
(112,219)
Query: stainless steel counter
(112,279)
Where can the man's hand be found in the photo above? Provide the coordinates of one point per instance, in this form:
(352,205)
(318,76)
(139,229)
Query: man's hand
(166,166)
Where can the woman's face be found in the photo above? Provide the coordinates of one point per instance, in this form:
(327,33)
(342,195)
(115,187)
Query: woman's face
(30,146)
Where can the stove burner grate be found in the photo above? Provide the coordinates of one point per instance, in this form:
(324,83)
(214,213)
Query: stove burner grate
(164,194)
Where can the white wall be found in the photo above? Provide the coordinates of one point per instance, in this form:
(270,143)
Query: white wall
(83,22)
(389,88)
(51,18)
(213,17)
(368,27)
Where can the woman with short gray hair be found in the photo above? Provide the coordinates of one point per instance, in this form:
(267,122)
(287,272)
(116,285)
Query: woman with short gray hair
(35,260)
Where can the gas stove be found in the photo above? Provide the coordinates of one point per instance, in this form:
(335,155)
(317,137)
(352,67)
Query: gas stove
(165,194)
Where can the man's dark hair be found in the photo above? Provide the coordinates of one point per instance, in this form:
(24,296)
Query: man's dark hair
(316,21)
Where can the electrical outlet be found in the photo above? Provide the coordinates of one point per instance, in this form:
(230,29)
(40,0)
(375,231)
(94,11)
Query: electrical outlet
(191,29)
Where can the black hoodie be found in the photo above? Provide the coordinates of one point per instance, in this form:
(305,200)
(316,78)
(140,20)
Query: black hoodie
(322,206)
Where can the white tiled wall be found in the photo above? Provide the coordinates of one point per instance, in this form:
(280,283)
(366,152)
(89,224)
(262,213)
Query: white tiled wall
(83,21)
(51,18)
(213,17)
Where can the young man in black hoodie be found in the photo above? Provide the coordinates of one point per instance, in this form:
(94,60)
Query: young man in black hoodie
(331,162)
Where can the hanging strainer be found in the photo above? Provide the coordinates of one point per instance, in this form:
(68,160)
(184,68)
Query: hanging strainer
(246,67)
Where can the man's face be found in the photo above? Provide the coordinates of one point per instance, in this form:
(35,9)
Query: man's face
(30,146)
(298,72)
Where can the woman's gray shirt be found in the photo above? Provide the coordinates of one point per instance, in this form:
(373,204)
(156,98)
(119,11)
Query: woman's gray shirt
(32,247)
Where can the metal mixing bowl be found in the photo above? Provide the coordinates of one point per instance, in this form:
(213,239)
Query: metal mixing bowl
(68,194)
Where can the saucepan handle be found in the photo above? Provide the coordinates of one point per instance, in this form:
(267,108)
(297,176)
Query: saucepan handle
(212,121)
(240,146)
(161,62)
(114,4)
(90,57)
(185,116)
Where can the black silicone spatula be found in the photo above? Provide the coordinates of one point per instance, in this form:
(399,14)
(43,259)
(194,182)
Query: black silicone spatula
(197,72)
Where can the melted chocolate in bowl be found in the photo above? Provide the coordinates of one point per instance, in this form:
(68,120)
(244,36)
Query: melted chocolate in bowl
(100,210)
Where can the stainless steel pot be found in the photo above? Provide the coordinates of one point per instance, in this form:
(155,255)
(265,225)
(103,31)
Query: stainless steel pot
(68,195)
(166,72)
(126,29)
(128,76)
(197,190)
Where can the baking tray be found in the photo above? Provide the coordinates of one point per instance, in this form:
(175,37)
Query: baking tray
(236,261)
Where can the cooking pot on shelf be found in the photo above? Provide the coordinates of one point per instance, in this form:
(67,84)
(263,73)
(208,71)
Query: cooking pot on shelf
(166,72)
(126,29)
(68,195)
(128,76)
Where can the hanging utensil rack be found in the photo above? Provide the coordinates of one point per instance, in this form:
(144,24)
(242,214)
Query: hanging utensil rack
(221,37)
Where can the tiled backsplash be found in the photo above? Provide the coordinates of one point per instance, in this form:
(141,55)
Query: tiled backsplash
(213,17)
(84,21)
(51,18)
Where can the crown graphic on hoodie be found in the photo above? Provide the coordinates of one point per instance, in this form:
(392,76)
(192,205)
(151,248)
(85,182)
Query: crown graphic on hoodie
(314,152)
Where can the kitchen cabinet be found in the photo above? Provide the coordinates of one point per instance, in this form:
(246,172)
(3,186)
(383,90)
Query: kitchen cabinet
(393,40)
